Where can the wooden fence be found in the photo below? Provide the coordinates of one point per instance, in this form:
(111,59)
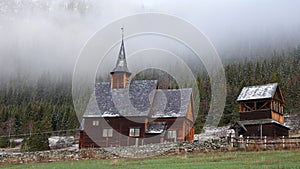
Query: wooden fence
(265,142)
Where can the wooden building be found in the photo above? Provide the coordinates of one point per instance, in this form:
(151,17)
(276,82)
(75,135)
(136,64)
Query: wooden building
(261,112)
(123,113)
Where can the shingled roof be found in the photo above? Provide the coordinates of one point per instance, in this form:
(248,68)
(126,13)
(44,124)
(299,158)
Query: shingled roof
(258,92)
(107,102)
(171,103)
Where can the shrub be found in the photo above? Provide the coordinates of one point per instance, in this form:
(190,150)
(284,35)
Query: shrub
(4,142)
(37,142)
(12,144)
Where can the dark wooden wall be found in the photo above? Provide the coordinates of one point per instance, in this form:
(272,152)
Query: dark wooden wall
(120,127)
(255,115)
(92,136)
(280,131)
(269,130)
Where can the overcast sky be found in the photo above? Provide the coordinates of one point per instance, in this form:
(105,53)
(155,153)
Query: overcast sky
(47,35)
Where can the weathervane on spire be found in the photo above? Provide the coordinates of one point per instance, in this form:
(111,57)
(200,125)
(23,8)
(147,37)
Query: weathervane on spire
(122,29)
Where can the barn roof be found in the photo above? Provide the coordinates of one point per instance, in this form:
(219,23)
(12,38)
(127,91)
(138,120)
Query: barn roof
(258,92)
(107,102)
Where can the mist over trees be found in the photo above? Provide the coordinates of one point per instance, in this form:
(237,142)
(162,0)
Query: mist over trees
(279,67)
(41,39)
(46,35)
(39,106)
(46,104)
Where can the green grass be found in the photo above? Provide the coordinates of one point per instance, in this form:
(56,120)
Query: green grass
(232,160)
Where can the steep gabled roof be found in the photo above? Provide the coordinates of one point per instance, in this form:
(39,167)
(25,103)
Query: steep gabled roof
(258,92)
(107,102)
(171,103)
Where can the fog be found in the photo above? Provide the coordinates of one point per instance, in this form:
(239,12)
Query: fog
(39,36)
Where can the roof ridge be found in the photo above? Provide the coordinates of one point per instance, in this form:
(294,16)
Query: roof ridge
(174,89)
(262,85)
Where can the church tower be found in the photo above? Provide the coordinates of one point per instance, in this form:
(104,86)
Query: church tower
(120,74)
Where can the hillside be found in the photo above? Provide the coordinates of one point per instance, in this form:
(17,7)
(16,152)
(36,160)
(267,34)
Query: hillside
(46,104)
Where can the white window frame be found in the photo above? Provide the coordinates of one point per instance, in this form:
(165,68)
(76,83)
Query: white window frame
(107,132)
(134,132)
(95,123)
(172,134)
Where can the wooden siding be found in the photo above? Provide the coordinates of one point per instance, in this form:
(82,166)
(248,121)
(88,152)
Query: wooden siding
(278,95)
(93,135)
(190,114)
(189,131)
(175,124)
(119,80)
(269,130)
(278,117)
(86,142)
(255,115)
(120,126)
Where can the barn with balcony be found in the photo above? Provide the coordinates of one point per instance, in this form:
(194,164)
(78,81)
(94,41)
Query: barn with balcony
(261,112)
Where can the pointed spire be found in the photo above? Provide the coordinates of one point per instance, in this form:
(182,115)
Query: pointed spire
(122,29)
(121,65)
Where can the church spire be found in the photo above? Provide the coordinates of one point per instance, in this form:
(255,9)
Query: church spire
(121,65)
(120,75)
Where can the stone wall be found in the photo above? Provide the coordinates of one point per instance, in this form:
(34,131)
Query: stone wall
(113,152)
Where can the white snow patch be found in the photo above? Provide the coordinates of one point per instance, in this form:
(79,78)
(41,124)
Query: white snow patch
(212,133)
(155,131)
(109,114)
(60,142)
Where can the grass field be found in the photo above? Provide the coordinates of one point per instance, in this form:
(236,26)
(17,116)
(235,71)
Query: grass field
(232,160)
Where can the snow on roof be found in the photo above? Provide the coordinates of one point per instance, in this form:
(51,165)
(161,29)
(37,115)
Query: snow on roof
(258,92)
(104,99)
(171,103)
(107,102)
(154,131)
(156,127)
